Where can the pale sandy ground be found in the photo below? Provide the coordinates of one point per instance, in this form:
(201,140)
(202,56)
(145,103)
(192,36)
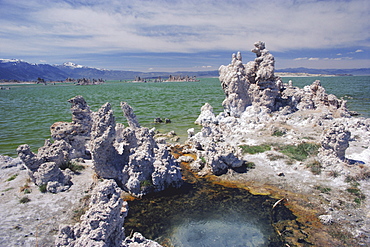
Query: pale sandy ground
(35,223)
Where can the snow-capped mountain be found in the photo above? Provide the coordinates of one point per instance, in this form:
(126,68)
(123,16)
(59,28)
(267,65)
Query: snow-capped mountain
(15,69)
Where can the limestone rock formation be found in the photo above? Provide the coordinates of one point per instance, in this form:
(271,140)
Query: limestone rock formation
(249,84)
(130,155)
(254,84)
(137,240)
(258,103)
(81,115)
(85,81)
(334,142)
(313,97)
(206,115)
(70,142)
(102,224)
(76,133)
(219,159)
(8,162)
(130,115)
(104,155)
(43,167)
(263,66)
(215,156)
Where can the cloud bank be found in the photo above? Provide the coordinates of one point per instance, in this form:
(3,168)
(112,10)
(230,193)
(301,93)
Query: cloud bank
(63,28)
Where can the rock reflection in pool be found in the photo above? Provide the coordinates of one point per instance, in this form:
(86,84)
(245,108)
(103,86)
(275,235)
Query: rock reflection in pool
(204,214)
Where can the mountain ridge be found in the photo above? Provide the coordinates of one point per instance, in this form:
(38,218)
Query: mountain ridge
(16,69)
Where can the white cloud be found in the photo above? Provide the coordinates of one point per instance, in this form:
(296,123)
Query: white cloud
(337,58)
(359,50)
(45,27)
(326,64)
(328,59)
(191,25)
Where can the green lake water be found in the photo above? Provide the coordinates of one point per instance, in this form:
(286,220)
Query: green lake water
(28,111)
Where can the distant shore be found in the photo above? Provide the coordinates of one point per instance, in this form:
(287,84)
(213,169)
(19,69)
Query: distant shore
(17,83)
(12,83)
(31,82)
(280,74)
(283,74)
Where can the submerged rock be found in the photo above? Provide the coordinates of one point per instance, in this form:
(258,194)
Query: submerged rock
(138,240)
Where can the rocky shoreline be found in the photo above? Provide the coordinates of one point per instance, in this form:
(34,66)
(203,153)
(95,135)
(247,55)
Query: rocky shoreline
(299,146)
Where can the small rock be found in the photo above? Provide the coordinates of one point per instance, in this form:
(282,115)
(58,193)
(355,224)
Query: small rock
(326,219)
(186,159)
(175,139)
(161,140)
(191,132)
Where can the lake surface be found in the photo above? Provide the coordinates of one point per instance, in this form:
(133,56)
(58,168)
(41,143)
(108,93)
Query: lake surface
(28,111)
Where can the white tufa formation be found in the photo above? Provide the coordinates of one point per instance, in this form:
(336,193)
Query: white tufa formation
(102,224)
(129,155)
(259,104)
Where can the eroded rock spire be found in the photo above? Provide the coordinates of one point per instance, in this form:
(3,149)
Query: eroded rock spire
(249,84)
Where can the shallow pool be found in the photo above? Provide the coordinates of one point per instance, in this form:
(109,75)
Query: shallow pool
(206,214)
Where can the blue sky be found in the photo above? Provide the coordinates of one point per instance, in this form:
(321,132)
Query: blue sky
(186,35)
